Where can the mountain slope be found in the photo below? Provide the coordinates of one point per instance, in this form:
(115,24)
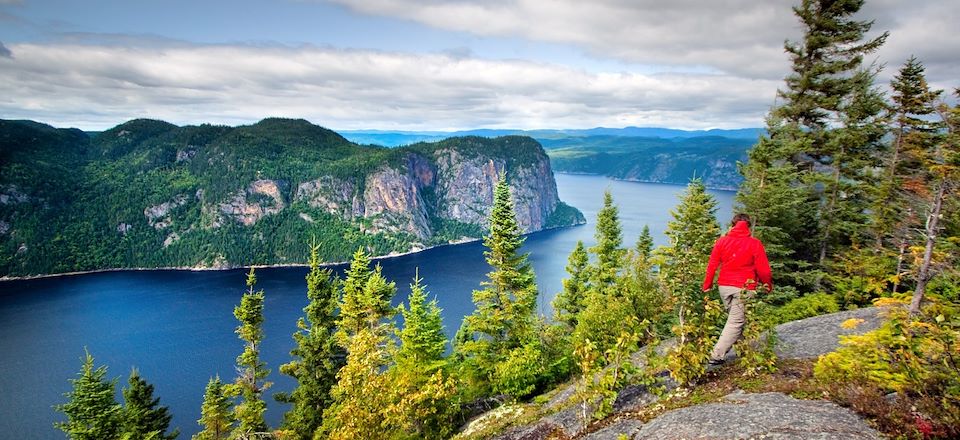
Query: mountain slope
(151,194)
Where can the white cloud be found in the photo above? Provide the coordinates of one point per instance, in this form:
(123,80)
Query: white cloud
(741,37)
(97,86)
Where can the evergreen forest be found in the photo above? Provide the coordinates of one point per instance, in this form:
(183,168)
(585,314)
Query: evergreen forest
(853,192)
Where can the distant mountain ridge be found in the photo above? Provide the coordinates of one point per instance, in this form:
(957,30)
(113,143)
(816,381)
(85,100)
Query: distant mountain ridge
(148,193)
(393,138)
(642,154)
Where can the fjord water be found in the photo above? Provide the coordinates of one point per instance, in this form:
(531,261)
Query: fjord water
(177,327)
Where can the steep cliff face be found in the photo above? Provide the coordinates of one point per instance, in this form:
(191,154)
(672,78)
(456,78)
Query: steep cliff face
(445,185)
(151,194)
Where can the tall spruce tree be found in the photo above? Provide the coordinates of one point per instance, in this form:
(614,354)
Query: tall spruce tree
(216,416)
(91,409)
(568,303)
(821,139)
(895,208)
(249,386)
(502,330)
(317,357)
(143,417)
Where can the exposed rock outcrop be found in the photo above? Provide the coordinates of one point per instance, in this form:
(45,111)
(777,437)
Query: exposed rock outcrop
(760,414)
(248,212)
(768,415)
(158,216)
(448,186)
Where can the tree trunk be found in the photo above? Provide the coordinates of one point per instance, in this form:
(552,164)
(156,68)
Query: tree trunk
(933,220)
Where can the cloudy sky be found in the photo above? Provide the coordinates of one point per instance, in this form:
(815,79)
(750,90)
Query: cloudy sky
(426,65)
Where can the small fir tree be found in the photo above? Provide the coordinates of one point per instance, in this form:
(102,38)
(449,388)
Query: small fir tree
(424,390)
(568,303)
(143,417)
(609,235)
(366,296)
(216,416)
(691,234)
(248,386)
(91,409)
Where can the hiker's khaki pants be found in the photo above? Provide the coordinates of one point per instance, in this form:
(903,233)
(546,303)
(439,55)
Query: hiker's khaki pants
(733,301)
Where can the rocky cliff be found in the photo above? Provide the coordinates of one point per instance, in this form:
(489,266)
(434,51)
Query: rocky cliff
(151,194)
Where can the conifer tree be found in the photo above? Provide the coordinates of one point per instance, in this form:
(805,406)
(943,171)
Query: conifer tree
(216,416)
(366,296)
(568,303)
(143,418)
(248,386)
(502,330)
(364,391)
(821,139)
(691,234)
(317,357)
(609,235)
(644,246)
(422,341)
(895,208)
(91,409)
(424,390)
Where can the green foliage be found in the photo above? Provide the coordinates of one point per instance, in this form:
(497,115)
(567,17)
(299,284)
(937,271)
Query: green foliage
(503,325)
(363,391)
(806,306)
(650,159)
(908,354)
(316,357)
(691,234)
(216,416)
(250,408)
(91,410)
(422,341)
(366,297)
(696,330)
(755,348)
(150,194)
(606,373)
(143,418)
(568,303)
(423,390)
(608,249)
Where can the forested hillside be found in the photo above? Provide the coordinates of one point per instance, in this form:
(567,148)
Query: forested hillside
(652,159)
(150,194)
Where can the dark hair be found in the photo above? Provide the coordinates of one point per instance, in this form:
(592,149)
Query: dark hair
(741,217)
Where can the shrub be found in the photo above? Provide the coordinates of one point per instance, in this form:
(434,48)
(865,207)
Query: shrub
(805,307)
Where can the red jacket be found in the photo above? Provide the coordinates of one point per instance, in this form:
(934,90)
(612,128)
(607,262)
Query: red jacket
(741,259)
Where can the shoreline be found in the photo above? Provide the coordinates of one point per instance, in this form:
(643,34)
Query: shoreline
(617,179)
(6,278)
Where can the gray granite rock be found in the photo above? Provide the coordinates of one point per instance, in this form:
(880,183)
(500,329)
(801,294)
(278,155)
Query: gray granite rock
(766,415)
(812,337)
(627,427)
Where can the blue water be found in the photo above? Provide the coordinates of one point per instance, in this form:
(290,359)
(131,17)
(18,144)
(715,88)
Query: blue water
(176,327)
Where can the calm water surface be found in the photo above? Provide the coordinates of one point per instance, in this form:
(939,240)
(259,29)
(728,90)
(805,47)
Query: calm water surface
(176,327)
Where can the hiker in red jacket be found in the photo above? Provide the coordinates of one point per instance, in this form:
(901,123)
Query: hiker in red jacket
(742,262)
